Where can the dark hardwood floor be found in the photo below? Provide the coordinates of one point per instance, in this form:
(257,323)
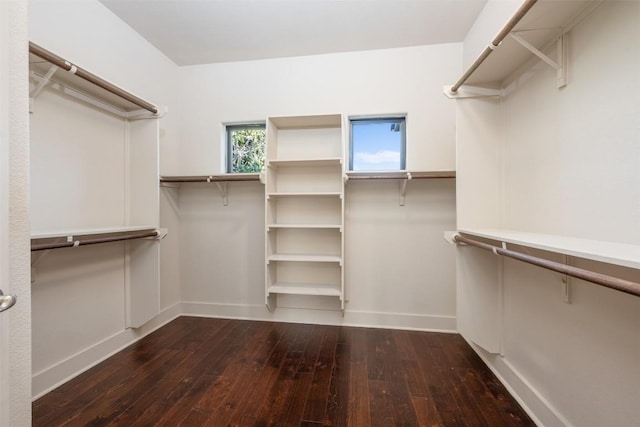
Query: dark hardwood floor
(215,372)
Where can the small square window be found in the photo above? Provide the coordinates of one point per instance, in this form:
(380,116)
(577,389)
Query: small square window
(377,144)
(246,148)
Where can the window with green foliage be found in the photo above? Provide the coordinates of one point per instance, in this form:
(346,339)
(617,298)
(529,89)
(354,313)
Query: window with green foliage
(246,148)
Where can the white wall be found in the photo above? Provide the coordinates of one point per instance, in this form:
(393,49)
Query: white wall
(569,166)
(399,270)
(15,324)
(78,298)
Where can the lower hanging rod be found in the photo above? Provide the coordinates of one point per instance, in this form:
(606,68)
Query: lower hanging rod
(75,243)
(611,282)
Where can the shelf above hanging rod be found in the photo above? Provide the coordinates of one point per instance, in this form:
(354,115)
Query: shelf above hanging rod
(227,177)
(544,22)
(400,175)
(77,77)
(611,282)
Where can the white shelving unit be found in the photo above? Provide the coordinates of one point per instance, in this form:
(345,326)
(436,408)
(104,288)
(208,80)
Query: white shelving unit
(304,211)
(94,165)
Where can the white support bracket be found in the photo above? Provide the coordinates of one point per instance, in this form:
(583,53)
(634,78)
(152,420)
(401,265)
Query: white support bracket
(566,282)
(41,84)
(560,65)
(224,191)
(403,188)
(467,91)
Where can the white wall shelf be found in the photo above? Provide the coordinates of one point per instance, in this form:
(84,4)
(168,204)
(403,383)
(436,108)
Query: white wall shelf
(304,207)
(621,254)
(48,67)
(403,176)
(540,27)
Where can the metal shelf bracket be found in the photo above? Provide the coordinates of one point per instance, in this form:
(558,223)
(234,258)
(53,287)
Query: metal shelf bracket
(562,51)
(224,191)
(403,188)
(41,84)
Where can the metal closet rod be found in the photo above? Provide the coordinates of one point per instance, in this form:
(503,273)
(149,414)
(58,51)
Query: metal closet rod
(210,178)
(611,282)
(94,241)
(90,77)
(520,13)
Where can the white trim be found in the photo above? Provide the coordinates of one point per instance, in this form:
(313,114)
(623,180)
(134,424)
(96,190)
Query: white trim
(366,319)
(58,374)
(532,401)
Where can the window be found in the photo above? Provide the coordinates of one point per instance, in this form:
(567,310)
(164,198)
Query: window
(377,144)
(246,148)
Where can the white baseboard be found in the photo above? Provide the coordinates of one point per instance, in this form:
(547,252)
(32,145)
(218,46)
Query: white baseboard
(531,400)
(322,317)
(56,375)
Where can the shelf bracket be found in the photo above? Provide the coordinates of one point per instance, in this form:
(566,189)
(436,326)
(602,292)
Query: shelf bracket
(560,65)
(566,283)
(41,84)
(403,188)
(224,191)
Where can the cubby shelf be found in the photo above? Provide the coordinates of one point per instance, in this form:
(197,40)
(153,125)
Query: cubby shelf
(305,289)
(306,226)
(305,194)
(304,258)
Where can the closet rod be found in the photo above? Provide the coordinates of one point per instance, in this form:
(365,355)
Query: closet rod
(90,77)
(591,276)
(121,237)
(211,178)
(402,175)
(520,13)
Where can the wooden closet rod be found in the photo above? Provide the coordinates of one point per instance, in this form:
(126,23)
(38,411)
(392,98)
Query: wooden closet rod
(90,77)
(616,283)
(211,178)
(401,175)
(120,237)
(520,13)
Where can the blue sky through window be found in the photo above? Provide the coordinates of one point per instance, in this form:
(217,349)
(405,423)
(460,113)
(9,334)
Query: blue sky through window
(377,145)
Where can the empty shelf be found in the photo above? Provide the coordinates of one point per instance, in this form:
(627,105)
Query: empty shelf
(305,289)
(305,258)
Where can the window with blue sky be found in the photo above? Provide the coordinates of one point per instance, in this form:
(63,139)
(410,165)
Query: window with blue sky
(377,144)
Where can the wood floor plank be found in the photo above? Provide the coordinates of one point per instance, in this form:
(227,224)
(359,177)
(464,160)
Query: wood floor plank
(217,372)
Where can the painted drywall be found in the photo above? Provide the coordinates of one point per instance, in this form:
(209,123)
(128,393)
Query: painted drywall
(569,167)
(14,182)
(77,185)
(407,81)
(399,270)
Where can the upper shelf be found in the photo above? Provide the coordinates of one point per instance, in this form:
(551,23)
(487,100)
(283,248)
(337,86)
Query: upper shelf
(540,23)
(83,81)
(622,254)
(305,122)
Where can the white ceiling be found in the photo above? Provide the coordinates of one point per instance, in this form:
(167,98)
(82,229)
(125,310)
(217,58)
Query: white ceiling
(206,31)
